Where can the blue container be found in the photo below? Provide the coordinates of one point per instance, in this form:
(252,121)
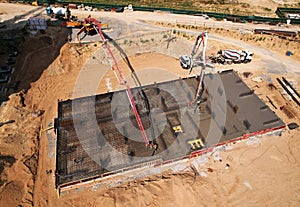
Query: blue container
(288,53)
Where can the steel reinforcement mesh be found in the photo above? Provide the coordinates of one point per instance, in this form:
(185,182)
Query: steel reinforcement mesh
(98,134)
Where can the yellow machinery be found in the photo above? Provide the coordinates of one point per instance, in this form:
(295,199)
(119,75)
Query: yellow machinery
(196,144)
(35,3)
(90,26)
(80,24)
(177,129)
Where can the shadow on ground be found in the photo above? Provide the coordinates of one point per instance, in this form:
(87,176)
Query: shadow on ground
(24,56)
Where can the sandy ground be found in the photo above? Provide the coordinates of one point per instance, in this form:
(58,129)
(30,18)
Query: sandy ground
(266,173)
(14,10)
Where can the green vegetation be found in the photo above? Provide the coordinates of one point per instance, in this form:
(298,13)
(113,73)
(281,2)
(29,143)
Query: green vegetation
(220,6)
(215,6)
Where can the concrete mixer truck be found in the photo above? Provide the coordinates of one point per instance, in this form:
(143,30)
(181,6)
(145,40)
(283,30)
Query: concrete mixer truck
(232,56)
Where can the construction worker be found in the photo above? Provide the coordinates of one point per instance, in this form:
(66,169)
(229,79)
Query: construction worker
(68,14)
(154,148)
(188,103)
(74,160)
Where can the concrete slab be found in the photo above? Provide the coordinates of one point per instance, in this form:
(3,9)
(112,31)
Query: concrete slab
(99,134)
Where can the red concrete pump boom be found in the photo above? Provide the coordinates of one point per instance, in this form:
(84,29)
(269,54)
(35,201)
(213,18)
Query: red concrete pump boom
(129,93)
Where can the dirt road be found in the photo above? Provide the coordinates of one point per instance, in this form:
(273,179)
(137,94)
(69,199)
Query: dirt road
(130,24)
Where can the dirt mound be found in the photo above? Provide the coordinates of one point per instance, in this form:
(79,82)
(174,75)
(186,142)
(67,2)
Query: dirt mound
(37,54)
(20,131)
(5,162)
(19,147)
(32,163)
(12,194)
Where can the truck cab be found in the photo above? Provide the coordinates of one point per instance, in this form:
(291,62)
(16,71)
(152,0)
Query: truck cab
(248,56)
(185,62)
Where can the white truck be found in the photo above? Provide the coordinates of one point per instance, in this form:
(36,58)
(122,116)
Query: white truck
(232,56)
(56,12)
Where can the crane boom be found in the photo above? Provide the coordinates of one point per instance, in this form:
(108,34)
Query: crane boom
(128,89)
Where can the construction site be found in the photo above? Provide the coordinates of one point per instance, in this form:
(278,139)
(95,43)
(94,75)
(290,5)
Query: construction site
(180,126)
(129,105)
